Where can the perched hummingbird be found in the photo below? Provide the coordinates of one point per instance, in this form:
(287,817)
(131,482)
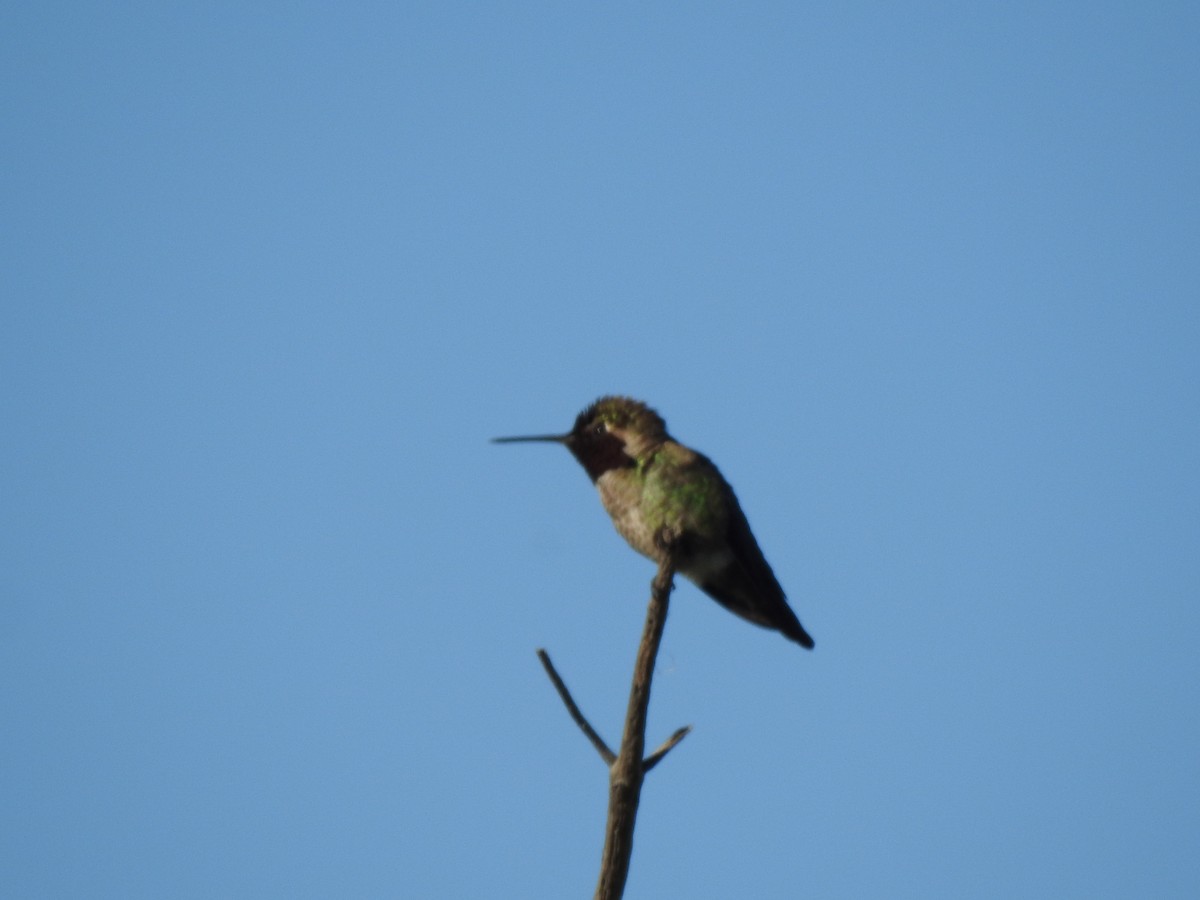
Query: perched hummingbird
(649,482)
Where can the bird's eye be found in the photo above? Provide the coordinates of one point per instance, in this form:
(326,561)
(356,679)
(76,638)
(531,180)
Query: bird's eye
(598,429)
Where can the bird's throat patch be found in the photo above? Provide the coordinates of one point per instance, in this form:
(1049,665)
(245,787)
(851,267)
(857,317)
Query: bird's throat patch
(603,453)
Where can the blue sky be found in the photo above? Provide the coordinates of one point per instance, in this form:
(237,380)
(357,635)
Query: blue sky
(921,279)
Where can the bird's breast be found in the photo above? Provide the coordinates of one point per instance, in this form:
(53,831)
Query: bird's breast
(621,494)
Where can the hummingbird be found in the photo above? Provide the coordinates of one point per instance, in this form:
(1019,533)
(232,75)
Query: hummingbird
(650,483)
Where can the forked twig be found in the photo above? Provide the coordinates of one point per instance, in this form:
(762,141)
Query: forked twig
(628,768)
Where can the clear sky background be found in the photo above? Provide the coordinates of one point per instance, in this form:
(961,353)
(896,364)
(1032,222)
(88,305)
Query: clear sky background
(922,279)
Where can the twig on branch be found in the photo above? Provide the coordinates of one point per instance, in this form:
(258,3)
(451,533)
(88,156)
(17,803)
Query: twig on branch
(598,742)
(656,757)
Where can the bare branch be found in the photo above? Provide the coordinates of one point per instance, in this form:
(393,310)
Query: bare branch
(627,769)
(598,742)
(626,774)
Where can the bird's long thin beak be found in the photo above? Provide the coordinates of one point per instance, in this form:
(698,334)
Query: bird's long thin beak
(535,438)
